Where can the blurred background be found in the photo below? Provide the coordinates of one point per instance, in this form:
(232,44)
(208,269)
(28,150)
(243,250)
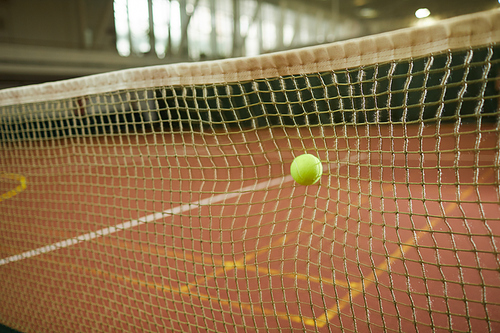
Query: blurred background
(45,40)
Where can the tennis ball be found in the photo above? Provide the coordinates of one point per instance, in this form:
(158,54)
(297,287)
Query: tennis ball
(306,169)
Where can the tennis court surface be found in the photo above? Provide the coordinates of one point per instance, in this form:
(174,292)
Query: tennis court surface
(167,205)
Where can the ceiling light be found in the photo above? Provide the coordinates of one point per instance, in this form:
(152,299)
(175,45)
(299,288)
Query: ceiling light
(422,13)
(368,13)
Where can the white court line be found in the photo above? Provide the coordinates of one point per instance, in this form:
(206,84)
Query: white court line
(156,216)
(143,220)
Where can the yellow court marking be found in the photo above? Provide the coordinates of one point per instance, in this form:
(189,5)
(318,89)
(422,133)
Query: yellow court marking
(21,187)
(358,288)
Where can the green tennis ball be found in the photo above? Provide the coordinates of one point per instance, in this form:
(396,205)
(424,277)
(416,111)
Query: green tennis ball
(306,169)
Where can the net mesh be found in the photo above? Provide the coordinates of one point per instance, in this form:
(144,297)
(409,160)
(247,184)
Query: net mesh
(171,207)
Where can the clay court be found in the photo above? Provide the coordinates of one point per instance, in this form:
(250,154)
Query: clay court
(182,231)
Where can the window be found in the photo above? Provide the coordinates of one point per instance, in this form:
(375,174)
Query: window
(155,26)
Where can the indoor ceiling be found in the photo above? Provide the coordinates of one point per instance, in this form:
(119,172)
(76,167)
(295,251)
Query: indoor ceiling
(401,9)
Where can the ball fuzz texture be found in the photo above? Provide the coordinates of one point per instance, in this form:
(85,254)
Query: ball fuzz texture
(306,169)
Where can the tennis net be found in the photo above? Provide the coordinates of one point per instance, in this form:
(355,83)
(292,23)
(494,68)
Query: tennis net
(159,199)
